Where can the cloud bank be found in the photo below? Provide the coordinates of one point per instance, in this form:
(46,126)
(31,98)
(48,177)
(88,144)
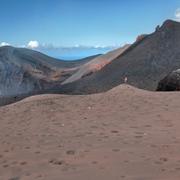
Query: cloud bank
(177,14)
(71,52)
(4,44)
(33,44)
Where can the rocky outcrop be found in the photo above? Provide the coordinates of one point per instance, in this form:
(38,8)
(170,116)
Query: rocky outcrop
(171,82)
(140,37)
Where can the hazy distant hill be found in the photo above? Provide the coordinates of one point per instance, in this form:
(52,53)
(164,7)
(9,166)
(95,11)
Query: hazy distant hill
(25,71)
(145,63)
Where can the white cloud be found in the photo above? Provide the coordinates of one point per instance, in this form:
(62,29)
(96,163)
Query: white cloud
(4,44)
(177,14)
(101,46)
(77,46)
(33,44)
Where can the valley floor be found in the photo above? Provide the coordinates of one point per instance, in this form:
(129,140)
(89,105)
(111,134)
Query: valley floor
(125,133)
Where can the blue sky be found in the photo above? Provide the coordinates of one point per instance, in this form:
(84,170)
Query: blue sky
(76,23)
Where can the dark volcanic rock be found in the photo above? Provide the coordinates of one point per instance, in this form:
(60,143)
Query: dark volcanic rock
(141,37)
(171,82)
(144,63)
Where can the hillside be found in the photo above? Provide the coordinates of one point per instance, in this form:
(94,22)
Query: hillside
(24,71)
(96,64)
(145,63)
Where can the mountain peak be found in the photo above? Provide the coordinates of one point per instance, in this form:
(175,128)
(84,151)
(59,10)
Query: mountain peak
(170,23)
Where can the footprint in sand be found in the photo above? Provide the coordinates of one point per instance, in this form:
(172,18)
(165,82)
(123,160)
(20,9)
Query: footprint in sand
(123,176)
(27,147)
(148,126)
(37,152)
(23,163)
(161,161)
(115,150)
(70,152)
(14,178)
(56,162)
(114,131)
(94,162)
(5,165)
(164,159)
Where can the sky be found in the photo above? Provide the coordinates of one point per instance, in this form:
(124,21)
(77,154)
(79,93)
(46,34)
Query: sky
(80,27)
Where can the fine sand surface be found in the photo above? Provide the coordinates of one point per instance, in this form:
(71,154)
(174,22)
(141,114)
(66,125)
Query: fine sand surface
(125,133)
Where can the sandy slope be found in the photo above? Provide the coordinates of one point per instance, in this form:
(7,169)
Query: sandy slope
(125,133)
(96,64)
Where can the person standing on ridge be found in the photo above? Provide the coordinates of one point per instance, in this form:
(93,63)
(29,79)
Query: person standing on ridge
(125,80)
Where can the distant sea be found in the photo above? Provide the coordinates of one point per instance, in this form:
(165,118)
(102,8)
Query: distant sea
(70,58)
(74,54)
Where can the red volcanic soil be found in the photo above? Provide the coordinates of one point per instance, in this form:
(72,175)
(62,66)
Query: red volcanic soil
(96,64)
(125,133)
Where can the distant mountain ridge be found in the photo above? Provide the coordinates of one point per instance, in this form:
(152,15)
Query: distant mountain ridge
(24,71)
